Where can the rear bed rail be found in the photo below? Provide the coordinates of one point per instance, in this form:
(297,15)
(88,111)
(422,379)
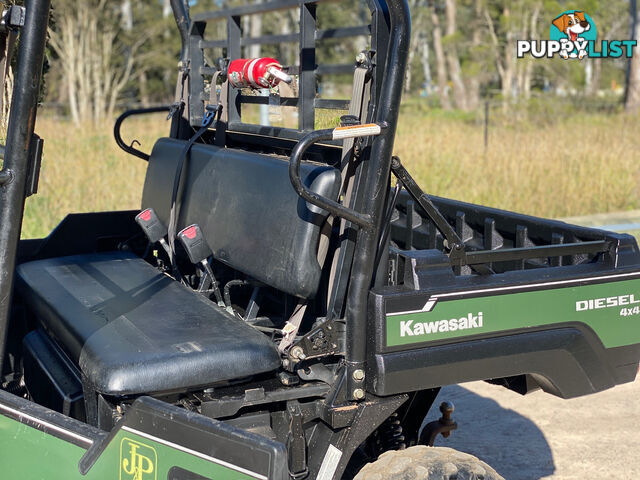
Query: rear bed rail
(505,241)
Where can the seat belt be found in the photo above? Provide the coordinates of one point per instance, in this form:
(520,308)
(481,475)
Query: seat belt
(359,99)
(358,108)
(212,113)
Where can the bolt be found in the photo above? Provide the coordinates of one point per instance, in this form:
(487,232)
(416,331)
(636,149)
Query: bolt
(358,375)
(358,394)
(361,58)
(298,353)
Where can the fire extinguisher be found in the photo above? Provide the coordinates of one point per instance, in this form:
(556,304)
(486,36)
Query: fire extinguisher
(262,72)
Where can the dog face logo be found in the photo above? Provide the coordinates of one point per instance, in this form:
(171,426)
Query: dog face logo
(574,29)
(572,24)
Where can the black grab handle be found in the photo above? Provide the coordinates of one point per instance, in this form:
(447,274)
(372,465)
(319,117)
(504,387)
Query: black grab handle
(333,207)
(137,111)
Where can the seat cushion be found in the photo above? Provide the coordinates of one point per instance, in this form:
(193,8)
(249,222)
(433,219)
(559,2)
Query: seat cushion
(134,330)
(250,215)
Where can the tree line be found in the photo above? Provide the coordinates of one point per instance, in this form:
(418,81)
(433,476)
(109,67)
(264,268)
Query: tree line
(104,54)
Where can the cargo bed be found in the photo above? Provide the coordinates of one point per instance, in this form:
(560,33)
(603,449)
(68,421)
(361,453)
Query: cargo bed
(526,296)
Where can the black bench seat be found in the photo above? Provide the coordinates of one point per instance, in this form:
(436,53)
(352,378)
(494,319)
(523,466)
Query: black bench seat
(133,330)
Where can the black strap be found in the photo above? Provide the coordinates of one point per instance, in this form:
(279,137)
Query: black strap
(210,114)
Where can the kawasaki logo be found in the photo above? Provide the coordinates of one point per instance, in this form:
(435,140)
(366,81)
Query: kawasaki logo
(411,328)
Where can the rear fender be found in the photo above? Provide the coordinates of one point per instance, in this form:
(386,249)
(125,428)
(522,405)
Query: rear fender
(154,440)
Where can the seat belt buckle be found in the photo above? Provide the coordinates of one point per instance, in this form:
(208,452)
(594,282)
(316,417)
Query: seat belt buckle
(194,243)
(152,226)
(210,114)
(199,251)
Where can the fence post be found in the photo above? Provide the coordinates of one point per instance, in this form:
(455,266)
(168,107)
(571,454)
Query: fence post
(486,124)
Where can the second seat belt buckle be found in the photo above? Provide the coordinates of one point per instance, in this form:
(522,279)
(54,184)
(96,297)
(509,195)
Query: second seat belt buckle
(153,227)
(194,243)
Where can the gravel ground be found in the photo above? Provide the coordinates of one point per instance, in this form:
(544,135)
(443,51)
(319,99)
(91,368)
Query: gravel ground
(539,436)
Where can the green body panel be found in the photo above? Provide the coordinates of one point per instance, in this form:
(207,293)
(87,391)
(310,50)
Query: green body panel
(29,454)
(612,310)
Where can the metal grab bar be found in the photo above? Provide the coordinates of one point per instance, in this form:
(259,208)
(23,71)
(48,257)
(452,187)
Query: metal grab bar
(138,111)
(333,207)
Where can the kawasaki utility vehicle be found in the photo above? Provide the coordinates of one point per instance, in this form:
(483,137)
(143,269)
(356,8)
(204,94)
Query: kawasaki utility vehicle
(279,308)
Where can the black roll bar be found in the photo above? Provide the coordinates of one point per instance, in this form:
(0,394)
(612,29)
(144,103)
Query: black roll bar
(14,173)
(375,191)
(181,14)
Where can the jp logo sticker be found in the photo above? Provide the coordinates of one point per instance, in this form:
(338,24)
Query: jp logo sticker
(137,461)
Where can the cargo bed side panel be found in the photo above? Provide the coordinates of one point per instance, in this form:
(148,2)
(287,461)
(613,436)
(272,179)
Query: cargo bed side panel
(575,336)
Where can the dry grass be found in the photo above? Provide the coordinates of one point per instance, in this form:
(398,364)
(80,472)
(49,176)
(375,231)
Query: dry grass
(586,164)
(83,170)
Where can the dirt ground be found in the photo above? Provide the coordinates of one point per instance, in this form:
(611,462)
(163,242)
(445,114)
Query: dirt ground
(539,436)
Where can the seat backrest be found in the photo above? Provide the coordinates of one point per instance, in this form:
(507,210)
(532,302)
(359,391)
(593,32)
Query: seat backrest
(247,210)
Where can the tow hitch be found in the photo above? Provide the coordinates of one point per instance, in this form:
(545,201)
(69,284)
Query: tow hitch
(444,425)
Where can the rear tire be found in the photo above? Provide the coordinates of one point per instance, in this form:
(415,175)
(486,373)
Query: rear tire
(427,463)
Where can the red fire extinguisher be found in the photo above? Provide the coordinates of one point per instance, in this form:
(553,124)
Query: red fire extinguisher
(262,72)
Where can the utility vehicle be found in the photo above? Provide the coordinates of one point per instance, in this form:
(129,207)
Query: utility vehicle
(279,308)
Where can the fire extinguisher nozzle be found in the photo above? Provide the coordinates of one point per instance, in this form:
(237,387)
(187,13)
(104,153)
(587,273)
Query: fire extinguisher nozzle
(280,75)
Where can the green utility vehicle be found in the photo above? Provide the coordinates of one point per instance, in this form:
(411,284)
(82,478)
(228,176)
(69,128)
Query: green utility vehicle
(279,308)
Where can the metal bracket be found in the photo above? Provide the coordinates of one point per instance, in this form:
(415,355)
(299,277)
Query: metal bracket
(12,18)
(455,245)
(364,59)
(33,169)
(317,371)
(323,340)
(296,442)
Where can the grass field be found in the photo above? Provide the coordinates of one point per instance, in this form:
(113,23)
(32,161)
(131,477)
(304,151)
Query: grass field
(553,166)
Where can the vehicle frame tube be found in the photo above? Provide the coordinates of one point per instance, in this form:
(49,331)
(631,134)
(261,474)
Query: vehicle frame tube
(375,193)
(22,120)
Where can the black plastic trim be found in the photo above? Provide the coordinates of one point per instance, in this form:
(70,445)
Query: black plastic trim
(188,430)
(587,367)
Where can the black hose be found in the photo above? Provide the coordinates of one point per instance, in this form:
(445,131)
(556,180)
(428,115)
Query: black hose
(227,288)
